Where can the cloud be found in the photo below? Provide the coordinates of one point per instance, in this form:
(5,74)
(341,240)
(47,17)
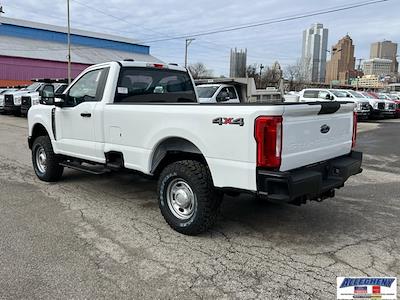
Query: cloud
(155,19)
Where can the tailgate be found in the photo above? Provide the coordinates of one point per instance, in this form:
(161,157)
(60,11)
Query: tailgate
(315,132)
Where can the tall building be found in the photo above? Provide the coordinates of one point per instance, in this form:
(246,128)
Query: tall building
(378,66)
(238,63)
(341,67)
(313,57)
(386,50)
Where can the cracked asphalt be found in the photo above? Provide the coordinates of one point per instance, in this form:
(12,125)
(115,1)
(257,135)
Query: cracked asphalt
(103,237)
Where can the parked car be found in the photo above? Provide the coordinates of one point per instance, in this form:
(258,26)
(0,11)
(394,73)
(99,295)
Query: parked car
(377,106)
(361,105)
(34,98)
(217,93)
(146,117)
(396,99)
(390,105)
(2,93)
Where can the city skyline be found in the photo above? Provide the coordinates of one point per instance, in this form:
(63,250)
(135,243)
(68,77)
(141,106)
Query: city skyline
(265,44)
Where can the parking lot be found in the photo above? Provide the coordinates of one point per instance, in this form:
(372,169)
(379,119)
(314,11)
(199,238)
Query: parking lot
(103,236)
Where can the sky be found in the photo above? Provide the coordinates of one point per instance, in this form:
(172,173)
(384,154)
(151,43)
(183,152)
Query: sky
(152,20)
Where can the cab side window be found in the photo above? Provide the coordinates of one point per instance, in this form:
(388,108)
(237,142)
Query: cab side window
(223,94)
(89,87)
(232,93)
(324,95)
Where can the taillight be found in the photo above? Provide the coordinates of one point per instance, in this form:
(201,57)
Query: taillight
(268,135)
(354,138)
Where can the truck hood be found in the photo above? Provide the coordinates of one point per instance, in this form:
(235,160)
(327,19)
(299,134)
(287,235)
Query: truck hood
(19,93)
(360,100)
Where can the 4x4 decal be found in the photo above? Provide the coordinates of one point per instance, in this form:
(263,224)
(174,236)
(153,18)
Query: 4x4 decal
(229,121)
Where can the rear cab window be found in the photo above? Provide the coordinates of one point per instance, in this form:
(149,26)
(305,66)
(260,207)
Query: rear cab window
(151,85)
(310,94)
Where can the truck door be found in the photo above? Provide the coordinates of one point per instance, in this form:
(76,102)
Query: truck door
(77,121)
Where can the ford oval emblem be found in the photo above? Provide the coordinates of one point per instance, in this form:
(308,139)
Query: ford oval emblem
(325,129)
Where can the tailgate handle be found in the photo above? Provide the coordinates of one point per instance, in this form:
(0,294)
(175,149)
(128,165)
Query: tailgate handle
(86,115)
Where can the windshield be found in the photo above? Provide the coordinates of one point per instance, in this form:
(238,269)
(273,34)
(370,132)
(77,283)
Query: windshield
(340,94)
(368,96)
(206,91)
(61,89)
(33,87)
(7,91)
(356,94)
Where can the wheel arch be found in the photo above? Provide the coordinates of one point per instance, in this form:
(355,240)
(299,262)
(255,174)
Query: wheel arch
(173,149)
(37,130)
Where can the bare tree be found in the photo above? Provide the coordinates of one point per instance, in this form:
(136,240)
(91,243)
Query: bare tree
(199,70)
(297,75)
(269,76)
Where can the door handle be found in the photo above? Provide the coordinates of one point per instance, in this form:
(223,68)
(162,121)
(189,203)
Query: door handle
(86,115)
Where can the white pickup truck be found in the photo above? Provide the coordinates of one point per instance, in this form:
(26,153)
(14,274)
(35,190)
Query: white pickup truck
(13,100)
(146,117)
(217,93)
(362,107)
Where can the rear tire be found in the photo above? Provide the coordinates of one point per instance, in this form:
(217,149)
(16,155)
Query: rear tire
(45,161)
(187,198)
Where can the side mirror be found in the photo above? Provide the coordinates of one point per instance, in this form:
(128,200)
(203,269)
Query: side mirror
(328,97)
(332,98)
(59,100)
(47,95)
(223,96)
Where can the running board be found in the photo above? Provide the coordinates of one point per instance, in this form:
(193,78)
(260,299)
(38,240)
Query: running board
(94,169)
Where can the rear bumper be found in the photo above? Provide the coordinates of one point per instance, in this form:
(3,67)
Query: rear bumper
(314,182)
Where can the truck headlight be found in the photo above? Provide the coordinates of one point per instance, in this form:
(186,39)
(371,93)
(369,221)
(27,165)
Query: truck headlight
(375,105)
(17,100)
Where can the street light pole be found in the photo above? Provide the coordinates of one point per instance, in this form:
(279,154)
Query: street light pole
(69,43)
(188,42)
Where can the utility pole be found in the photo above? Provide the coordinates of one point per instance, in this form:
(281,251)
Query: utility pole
(261,68)
(188,42)
(69,43)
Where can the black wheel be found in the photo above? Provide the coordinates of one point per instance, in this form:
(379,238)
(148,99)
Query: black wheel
(45,161)
(187,198)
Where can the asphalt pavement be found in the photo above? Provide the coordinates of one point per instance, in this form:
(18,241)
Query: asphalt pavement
(103,237)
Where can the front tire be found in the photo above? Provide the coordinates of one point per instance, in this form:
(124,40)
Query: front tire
(45,161)
(187,198)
